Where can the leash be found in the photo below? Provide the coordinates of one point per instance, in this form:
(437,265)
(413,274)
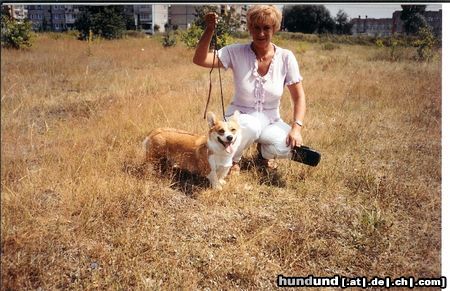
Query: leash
(210,79)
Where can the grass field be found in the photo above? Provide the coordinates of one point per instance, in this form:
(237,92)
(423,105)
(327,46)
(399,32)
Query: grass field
(79,210)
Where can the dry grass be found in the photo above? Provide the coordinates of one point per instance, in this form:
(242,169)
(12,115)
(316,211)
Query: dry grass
(80,211)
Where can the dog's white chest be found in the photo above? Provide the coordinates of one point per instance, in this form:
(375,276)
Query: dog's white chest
(217,161)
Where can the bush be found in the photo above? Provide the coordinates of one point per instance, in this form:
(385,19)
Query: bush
(425,44)
(379,43)
(73,33)
(15,34)
(135,34)
(191,36)
(169,39)
(329,46)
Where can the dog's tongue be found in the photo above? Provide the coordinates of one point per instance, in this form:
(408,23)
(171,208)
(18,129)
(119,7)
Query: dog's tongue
(228,148)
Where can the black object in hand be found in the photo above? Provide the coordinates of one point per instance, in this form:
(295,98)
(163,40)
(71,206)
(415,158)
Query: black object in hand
(306,155)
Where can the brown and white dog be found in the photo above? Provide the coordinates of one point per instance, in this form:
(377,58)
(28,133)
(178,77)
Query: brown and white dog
(208,155)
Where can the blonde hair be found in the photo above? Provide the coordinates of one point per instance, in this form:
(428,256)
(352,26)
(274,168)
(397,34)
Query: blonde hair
(264,14)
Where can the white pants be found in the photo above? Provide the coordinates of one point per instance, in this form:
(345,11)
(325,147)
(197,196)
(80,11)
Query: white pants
(256,127)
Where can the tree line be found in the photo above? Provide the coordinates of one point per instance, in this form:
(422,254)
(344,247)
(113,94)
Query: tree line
(110,22)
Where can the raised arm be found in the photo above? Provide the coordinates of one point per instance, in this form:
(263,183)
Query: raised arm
(203,57)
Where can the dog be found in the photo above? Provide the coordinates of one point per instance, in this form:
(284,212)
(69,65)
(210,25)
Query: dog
(208,155)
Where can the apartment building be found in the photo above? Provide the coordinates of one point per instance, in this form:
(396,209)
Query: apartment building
(433,18)
(182,16)
(372,26)
(241,13)
(18,12)
(147,17)
(51,17)
(390,26)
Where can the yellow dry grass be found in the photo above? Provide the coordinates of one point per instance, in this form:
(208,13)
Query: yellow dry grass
(79,211)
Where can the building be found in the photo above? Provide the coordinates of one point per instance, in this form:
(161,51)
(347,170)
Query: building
(52,17)
(145,17)
(372,26)
(390,26)
(71,13)
(182,16)
(149,17)
(240,12)
(18,12)
(433,18)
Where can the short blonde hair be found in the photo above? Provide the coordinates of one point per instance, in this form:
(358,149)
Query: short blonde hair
(264,14)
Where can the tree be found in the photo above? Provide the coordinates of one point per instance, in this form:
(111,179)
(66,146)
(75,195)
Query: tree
(14,34)
(308,19)
(227,24)
(227,21)
(413,18)
(109,22)
(342,23)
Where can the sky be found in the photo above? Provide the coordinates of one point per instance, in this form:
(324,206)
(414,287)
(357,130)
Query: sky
(372,10)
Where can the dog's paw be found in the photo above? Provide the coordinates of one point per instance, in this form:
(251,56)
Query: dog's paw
(222,182)
(217,187)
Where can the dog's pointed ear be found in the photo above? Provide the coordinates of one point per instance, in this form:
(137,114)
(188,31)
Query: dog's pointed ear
(211,118)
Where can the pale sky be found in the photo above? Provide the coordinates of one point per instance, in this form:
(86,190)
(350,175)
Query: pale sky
(372,10)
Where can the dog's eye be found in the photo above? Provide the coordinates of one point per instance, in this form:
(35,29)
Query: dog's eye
(221,132)
(233,130)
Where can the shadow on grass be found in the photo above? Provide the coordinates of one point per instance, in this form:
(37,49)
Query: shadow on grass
(268,177)
(186,182)
(180,180)
(190,183)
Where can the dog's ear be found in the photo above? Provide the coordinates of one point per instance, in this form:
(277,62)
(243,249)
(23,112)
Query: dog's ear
(236,116)
(211,118)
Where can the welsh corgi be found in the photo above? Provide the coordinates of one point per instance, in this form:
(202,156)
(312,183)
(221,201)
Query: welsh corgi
(208,155)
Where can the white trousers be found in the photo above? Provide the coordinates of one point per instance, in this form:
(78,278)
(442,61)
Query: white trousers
(256,127)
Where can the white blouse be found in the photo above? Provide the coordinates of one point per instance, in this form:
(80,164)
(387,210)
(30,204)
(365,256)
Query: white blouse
(253,92)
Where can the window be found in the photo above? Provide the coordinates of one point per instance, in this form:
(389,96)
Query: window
(144,16)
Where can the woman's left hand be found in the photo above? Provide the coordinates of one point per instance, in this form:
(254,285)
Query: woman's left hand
(294,138)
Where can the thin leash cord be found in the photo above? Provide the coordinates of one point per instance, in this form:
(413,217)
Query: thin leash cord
(210,80)
(210,85)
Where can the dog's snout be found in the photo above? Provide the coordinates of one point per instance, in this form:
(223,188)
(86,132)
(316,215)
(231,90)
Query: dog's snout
(230,138)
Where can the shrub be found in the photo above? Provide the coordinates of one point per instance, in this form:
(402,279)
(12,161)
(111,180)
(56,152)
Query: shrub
(15,34)
(379,43)
(135,34)
(191,36)
(425,44)
(169,39)
(393,49)
(329,46)
(73,33)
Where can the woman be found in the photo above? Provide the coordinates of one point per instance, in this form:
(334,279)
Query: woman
(260,71)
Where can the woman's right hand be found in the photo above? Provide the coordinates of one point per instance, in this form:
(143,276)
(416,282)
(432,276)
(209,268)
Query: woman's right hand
(211,19)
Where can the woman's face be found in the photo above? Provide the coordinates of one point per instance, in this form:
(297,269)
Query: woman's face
(262,33)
